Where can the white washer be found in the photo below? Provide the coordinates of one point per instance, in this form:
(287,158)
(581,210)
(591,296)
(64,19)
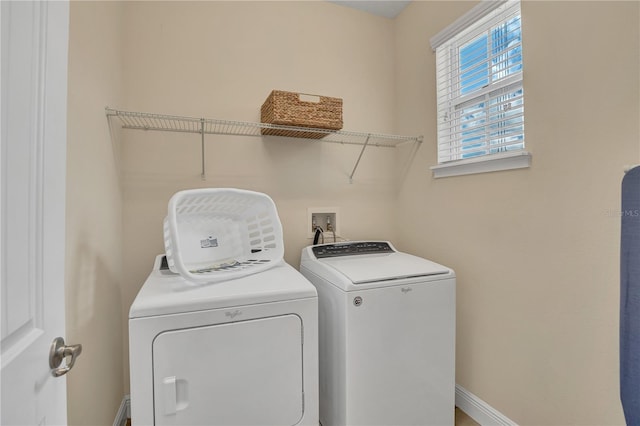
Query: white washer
(241,352)
(387,335)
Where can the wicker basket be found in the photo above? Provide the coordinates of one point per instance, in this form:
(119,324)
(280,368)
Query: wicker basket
(301,110)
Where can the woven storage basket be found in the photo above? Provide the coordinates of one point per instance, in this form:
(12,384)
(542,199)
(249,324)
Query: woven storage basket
(301,110)
(218,234)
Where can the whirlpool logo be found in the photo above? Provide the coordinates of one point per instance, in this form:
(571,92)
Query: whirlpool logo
(233,314)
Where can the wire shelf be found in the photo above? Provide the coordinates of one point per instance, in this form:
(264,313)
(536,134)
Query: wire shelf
(209,126)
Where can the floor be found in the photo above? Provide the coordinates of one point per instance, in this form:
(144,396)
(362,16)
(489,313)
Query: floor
(461,419)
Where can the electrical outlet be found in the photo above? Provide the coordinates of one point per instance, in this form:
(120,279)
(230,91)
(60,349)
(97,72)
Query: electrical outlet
(325,217)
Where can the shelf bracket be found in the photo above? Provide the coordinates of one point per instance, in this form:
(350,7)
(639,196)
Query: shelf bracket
(203,175)
(366,142)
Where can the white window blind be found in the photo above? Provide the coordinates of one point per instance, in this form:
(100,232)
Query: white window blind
(479,84)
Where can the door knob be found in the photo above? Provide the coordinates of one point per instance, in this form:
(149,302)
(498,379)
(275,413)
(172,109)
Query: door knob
(59,351)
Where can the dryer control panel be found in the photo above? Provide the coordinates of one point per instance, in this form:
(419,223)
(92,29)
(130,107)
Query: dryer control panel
(351,249)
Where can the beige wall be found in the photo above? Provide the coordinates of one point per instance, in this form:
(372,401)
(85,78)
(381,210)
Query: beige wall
(535,250)
(221,60)
(95,313)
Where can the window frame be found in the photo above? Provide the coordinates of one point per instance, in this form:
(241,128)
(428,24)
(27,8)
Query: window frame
(464,29)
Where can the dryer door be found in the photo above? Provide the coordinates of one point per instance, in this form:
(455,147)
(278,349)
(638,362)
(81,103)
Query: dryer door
(241,373)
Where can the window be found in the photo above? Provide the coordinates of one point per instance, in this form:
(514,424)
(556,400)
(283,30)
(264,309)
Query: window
(479,90)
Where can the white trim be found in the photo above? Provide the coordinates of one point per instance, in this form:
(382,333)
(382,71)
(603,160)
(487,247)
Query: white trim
(483,164)
(124,412)
(482,9)
(479,410)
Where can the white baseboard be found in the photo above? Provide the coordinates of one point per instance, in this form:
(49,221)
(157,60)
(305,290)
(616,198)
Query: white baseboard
(123,412)
(479,410)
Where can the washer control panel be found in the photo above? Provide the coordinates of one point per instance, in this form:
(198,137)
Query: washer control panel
(351,249)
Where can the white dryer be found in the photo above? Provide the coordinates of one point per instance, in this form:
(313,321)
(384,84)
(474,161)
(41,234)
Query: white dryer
(241,352)
(387,335)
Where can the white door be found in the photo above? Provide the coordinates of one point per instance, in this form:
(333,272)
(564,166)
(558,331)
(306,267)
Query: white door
(32,178)
(210,375)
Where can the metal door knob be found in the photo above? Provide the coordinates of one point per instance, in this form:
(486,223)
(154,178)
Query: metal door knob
(59,351)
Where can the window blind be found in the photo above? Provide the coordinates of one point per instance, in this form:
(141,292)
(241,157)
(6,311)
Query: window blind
(479,87)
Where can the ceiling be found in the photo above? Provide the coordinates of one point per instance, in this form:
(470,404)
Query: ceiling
(387,8)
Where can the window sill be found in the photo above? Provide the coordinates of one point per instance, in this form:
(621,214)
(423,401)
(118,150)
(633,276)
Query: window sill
(492,163)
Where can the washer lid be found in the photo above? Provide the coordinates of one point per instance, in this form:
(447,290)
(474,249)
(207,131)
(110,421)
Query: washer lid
(369,268)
